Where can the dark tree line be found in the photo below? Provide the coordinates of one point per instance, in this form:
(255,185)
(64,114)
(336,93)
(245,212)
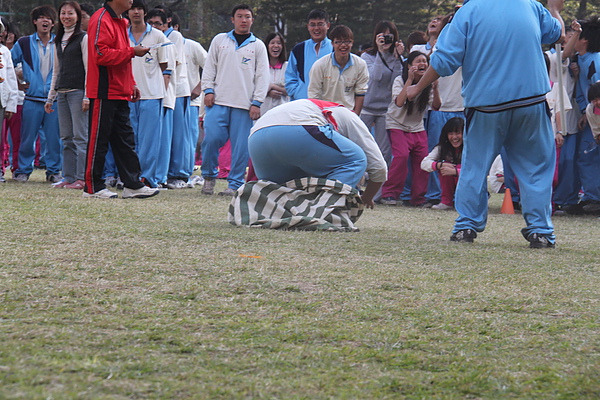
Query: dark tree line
(202,19)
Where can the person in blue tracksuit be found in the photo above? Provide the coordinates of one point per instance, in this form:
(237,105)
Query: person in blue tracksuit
(36,54)
(304,54)
(505,97)
(586,42)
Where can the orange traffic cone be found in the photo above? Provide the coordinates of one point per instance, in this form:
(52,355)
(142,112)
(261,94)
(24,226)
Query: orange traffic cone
(507,204)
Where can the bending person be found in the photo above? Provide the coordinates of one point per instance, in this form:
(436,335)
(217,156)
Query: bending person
(318,139)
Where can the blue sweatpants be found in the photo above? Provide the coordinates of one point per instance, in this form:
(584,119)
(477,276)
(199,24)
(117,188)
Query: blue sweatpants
(588,162)
(222,123)
(34,118)
(435,122)
(180,144)
(194,113)
(146,121)
(567,190)
(166,139)
(283,153)
(526,133)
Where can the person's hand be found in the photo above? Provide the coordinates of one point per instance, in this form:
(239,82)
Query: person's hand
(412,92)
(1,65)
(411,74)
(582,122)
(448,169)
(399,49)
(209,99)
(380,40)
(559,139)
(85,105)
(23,86)
(276,94)
(140,50)
(197,91)
(574,69)
(434,85)
(576,26)
(136,95)
(48,108)
(254,112)
(8,114)
(368,202)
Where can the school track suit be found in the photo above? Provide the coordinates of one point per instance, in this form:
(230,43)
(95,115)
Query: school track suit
(109,87)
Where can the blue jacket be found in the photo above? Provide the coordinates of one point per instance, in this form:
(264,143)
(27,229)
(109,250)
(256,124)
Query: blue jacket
(25,52)
(302,58)
(498,44)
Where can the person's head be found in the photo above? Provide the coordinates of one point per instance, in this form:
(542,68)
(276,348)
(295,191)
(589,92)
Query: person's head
(158,19)
(416,37)
(317,23)
(43,19)
(589,40)
(420,62)
(342,38)
(167,12)
(276,46)
(12,33)
(137,12)
(69,15)
(452,133)
(86,12)
(175,22)
(387,28)
(434,28)
(242,18)
(594,94)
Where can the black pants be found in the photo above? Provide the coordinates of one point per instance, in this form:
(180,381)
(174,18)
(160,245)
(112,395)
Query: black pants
(109,123)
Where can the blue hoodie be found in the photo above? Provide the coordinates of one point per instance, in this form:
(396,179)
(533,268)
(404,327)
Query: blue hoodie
(498,44)
(29,57)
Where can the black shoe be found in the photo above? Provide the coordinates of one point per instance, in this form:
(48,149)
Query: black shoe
(464,235)
(537,241)
(573,209)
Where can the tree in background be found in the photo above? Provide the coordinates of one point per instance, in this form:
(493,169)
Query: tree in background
(202,19)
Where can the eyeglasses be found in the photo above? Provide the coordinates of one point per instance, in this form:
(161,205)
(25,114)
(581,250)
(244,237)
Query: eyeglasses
(344,42)
(317,25)
(156,23)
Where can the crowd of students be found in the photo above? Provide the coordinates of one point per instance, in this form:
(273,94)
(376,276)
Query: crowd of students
(44,78)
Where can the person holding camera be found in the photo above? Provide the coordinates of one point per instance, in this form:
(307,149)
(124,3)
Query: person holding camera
(384,63)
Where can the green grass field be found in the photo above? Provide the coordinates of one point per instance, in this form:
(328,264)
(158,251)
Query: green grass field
(163,299)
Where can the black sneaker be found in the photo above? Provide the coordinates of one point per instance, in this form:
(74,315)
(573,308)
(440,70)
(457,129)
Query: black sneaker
(464,235)
(537,241)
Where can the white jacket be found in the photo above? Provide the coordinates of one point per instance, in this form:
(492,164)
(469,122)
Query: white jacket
(238,76)
(9,91)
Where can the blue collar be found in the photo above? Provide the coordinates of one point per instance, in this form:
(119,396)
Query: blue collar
(348,64)
(148,30)
(37,38)
(250,39)
(168,31)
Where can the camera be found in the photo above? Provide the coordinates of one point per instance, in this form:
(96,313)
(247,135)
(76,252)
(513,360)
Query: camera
(388,39)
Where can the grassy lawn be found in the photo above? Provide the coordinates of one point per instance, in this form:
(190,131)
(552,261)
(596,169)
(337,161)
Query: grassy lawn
(163,299)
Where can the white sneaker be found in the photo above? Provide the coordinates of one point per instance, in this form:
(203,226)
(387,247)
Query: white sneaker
(176,184)
(100,194)
(441,206)
(195,180)
(140,193)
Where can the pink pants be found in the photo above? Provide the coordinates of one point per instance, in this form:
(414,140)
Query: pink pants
(224,160)
(14,126)
(405,144)
(448,185)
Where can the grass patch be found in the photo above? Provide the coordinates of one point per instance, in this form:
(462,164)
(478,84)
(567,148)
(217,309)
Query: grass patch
(162,298)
